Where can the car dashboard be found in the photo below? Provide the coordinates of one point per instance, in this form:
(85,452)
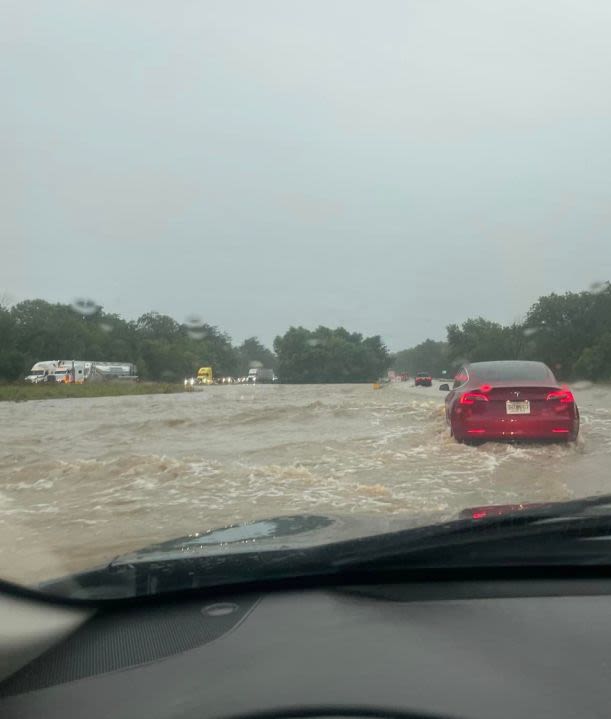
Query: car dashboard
(437,649)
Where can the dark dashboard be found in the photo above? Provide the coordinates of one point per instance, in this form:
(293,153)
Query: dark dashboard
(451,649)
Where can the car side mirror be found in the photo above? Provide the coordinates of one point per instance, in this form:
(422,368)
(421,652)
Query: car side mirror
(444,387)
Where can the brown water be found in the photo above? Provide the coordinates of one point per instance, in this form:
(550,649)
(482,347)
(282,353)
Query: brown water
(85,479)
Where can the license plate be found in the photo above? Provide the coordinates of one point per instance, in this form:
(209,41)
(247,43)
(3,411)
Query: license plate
(522,407)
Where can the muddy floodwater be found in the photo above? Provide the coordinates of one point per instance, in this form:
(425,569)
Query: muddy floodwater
(83,480)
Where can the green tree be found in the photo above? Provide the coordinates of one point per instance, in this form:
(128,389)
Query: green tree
(329,355)
(594,362)
(428,356)
(564,326)
(479,340)
(11,358)
(251,353)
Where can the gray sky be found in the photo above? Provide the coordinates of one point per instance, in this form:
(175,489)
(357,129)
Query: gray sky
(387,166)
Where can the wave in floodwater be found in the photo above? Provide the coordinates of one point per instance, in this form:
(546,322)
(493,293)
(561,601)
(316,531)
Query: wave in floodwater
(83,480)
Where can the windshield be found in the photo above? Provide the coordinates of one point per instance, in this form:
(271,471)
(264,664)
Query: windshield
(328,270)
(499,371)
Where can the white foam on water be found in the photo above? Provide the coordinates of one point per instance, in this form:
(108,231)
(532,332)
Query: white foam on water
(188,463)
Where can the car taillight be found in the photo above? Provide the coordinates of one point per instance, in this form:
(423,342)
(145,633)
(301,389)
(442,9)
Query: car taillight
(562,395)
(473,397)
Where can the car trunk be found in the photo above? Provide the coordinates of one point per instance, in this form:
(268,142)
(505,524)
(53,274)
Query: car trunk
(528,401)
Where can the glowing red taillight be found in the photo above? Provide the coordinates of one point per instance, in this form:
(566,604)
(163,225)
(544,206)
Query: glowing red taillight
(564,396)
(472,398)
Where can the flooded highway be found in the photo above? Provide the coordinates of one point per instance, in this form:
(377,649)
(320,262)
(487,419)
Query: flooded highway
(82,480)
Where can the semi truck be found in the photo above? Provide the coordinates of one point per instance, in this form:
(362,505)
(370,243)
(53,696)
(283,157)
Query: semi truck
(261,375)
(79,371)
(204,375)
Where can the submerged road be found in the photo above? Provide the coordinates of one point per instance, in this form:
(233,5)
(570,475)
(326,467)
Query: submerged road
(83,480)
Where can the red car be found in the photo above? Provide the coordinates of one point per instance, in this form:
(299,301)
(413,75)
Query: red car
(510,400)
(423,379)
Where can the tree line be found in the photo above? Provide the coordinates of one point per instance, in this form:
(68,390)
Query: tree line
(165,350)
(161,348)
(570,332)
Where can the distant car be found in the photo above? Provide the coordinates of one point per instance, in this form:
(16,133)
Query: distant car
(510,400)
(423,379)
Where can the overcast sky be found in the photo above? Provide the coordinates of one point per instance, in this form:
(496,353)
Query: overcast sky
(387,166)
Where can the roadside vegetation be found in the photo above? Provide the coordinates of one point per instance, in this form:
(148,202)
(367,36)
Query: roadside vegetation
(569,332)
(165,350)
(326,355)
(21,392)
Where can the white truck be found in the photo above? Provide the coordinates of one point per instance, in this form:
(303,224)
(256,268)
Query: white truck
(41,370)
(260,375)
(80,371)
(58,369)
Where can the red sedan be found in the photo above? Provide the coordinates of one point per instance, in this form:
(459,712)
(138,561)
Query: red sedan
(510,400)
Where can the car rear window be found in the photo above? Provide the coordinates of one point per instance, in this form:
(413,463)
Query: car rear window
(511,371)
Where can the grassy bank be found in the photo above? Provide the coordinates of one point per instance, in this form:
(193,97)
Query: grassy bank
(23,392)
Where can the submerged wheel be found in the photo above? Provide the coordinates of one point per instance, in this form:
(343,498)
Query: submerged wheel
(459,440)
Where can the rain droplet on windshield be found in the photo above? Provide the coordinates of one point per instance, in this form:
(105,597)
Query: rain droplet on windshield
(529,331)
(255,364)
(598,286)
(195,327)
(85,306)
(313,342)
(105,327)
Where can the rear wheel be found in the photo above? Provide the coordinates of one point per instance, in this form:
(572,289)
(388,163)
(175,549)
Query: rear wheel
(453,434)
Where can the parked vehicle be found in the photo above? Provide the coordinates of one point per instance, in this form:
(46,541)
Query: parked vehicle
(80,371)
(77,370)
(112,371)
(40,371)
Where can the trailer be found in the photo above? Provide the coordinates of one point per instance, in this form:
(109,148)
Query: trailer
(261,375)
(80,371)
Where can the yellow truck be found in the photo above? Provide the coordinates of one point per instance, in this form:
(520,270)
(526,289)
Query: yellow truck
(204,375)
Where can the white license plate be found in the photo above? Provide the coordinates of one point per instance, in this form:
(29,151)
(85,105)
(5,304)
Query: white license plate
(522,407)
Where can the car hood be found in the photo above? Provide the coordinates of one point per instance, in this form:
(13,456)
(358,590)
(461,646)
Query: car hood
(277,548)
(298,531)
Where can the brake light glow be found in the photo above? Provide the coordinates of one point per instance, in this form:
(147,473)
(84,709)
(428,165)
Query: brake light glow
(560,430)
(565,396)
(485,388)
(479,514)
(476,431)
(472,398)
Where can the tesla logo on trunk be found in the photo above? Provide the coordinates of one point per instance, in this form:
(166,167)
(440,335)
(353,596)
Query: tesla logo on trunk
(517,394)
